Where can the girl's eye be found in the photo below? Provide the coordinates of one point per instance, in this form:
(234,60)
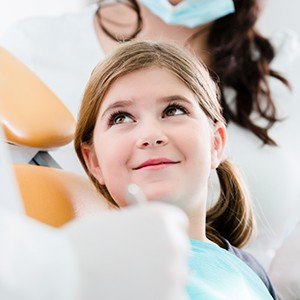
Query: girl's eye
(119,118)
(175,110)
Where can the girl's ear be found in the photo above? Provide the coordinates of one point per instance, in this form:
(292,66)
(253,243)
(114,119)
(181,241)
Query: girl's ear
(218,144)
(91,161)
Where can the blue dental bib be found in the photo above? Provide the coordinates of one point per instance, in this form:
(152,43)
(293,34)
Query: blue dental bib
(216,273)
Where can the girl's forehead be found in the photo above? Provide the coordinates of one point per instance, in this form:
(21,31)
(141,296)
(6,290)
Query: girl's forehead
(154,73)
(150,83)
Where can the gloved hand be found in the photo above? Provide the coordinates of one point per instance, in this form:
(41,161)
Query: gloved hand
(140,252)
(285,267)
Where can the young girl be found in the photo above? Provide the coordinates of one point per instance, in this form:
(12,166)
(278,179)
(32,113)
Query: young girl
(151,116)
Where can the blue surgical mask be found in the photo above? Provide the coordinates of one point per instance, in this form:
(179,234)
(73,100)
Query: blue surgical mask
(190,13)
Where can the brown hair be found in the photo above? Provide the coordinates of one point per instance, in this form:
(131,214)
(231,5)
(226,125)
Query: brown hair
(240,57)
(231,218)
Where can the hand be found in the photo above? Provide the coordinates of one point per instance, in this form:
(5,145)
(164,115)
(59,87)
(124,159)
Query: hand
(285,267)
(139,252)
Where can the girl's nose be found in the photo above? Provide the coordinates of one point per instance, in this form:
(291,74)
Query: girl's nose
(152,140)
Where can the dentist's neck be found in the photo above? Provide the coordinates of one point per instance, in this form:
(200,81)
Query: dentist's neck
(155,29)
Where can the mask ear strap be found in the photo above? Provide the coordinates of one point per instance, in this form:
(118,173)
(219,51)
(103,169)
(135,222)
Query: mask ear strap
(131,4)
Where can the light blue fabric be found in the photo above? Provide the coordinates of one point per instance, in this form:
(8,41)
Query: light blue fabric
(215,273)
(190,13)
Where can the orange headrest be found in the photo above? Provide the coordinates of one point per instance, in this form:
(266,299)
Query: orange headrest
(31,114)
(54,196)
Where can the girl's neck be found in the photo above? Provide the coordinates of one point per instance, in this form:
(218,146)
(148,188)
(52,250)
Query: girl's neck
(196,229)
(194,205)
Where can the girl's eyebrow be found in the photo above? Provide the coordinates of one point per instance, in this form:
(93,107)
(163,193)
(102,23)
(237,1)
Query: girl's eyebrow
(127,103)
(117,104)
(176,98)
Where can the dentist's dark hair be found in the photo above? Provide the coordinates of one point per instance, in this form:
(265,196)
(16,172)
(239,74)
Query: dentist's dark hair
(240,57)
(231,217)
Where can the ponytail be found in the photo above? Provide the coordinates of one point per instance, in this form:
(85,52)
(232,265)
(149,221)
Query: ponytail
(231,217)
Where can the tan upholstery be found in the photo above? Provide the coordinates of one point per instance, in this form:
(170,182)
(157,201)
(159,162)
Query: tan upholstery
(54,196)
(31,114)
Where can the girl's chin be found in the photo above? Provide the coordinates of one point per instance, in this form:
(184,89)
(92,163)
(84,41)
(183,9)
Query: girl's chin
(180,202)
(165,198)
(160,191)
(159,196)
(184,205)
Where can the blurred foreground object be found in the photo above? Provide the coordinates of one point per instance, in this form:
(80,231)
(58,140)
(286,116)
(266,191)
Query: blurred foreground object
(139,253)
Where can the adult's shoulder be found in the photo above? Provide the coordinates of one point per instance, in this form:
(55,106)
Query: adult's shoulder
(36,39)
(286,43)
(38,26)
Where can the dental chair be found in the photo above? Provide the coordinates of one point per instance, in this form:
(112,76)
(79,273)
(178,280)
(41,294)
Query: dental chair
(54,196)
(34,121)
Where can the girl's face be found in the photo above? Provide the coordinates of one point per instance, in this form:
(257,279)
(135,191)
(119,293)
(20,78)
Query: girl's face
(152,132)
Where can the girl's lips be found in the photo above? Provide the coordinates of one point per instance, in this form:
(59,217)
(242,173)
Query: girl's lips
(156,164)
